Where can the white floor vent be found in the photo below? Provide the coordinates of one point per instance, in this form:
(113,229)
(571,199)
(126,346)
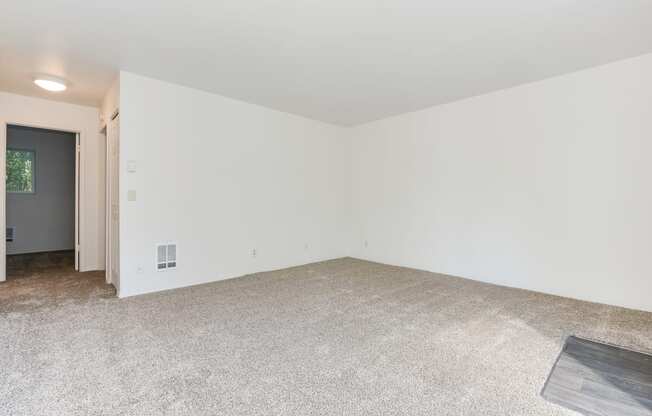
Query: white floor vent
(166,256)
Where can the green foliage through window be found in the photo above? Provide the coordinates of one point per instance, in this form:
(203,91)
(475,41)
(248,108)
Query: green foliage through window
(20,171)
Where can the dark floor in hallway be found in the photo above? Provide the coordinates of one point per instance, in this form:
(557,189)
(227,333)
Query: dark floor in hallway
(49,279)
(36,264)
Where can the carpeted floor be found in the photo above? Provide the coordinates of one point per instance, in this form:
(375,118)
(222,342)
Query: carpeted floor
(343,337)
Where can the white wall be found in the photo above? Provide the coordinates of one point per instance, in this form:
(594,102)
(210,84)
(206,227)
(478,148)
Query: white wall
(36,112)
(544,186)
(220,178)
(45,219)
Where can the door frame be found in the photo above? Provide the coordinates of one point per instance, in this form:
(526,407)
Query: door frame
(77,197)
(79,188)
(104,131)
(112,175)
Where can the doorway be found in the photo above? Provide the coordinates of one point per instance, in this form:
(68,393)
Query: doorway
(42,190)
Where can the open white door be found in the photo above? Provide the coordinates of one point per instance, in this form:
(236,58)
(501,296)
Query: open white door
(113,202)
(77,196)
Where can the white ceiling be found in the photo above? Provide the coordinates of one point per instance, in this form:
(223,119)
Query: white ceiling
(340,61)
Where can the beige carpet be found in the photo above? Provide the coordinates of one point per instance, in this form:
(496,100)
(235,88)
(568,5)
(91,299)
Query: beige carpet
(343,337)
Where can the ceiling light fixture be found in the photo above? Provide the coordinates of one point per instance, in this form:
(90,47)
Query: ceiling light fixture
(50,83)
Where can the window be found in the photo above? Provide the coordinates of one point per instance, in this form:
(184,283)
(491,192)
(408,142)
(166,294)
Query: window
(20,171)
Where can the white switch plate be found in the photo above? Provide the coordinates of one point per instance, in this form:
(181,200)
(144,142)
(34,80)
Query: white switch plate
(131,166)
(131,195)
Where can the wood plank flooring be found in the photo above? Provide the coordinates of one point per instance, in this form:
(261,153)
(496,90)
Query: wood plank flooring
(597,379)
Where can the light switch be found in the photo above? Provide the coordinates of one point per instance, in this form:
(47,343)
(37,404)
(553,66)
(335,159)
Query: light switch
(131,166)
(131,195)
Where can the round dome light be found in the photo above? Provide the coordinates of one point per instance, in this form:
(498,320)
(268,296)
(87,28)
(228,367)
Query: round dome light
(50,83)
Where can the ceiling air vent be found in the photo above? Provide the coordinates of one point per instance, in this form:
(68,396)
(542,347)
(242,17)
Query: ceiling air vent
(166,256)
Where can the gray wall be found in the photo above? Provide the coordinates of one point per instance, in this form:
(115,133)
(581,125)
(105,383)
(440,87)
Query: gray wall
(45,220)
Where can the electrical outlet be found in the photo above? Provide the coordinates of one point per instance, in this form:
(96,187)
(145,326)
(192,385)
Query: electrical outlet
(306,246)
(366,243)
(253,253)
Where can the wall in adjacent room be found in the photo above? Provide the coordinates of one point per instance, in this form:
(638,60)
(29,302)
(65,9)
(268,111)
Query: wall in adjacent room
(45,219)
(545,186)
(222,178)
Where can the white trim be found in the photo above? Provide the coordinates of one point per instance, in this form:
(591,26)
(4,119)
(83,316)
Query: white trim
(77,199)
(112,203)
(104,131)
(3,198)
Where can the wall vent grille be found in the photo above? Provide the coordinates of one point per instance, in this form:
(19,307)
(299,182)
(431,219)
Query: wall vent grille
(166,256)
(10,234)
